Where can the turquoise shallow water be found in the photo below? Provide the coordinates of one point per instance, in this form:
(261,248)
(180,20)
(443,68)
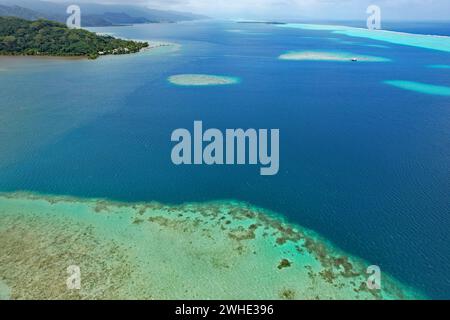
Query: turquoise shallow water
(420,87)
(363,163)
(440,66)
(441,43)
(215,250)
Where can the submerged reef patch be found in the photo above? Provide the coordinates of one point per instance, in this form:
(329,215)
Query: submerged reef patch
(202,80)
(425,88)
(216,250)
(329,56)
(439,66)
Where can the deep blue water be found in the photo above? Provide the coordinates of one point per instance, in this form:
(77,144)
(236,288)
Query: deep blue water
(364,164)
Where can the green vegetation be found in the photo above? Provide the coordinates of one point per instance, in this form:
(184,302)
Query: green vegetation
(48,38)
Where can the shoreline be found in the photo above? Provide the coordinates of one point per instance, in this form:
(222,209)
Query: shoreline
(220,241)
(151,46)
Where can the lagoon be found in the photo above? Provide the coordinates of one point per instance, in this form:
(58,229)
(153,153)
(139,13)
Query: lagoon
(363,164)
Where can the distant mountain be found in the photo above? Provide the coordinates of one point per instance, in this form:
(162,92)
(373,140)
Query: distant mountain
(19,12)
(93,15)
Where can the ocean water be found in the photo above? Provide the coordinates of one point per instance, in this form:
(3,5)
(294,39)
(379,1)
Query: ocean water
(363,163)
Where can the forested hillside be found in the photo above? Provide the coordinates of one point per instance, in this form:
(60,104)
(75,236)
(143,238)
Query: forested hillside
(44,37)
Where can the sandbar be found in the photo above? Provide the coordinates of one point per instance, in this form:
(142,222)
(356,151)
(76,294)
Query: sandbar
(202,80)
(329,56)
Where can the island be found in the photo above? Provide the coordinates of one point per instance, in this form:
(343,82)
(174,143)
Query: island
(49,38)
(94,15)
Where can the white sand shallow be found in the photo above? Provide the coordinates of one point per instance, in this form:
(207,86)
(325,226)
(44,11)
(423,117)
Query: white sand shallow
(202,80)
(329,56)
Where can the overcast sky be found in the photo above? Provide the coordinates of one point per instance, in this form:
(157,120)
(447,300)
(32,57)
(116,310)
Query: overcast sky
(315,9)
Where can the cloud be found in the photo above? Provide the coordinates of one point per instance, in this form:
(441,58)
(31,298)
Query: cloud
(319,9)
